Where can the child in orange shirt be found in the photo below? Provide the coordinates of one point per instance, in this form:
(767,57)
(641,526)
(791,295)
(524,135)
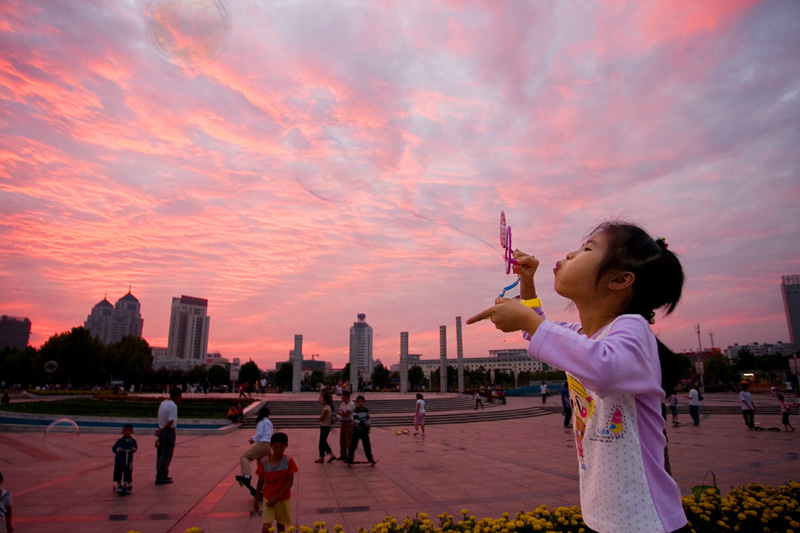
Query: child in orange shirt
(275,476)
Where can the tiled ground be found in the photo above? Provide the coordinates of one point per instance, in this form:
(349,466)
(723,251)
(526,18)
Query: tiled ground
(488,467)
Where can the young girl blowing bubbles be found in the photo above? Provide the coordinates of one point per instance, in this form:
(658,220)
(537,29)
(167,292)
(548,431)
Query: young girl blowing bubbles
(614,366)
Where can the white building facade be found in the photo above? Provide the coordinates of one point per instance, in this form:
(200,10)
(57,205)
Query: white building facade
(188,329)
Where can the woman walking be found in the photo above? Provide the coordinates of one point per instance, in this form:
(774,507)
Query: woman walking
(325,423)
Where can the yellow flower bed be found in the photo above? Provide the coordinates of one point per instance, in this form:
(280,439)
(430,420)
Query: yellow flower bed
(753,508)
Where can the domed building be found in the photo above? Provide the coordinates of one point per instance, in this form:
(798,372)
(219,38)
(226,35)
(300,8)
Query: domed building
(109,323)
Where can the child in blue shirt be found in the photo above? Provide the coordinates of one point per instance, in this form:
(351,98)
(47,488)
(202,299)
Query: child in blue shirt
(123,450)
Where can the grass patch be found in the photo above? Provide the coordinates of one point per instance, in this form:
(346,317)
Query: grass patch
(128,406)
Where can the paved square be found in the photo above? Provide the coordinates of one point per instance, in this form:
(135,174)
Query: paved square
(486,467)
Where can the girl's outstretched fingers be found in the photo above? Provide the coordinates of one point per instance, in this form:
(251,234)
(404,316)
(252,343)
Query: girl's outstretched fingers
(483,315)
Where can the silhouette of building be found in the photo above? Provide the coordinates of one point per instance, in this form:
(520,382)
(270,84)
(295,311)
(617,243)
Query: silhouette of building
(361,346)
(790,287)
(109,323)
(188,329)
(14,332)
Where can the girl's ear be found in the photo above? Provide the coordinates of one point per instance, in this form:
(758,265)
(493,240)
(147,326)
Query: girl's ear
(621,280)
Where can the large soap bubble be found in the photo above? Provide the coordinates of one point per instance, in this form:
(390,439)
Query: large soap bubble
(188,33)
(62,434)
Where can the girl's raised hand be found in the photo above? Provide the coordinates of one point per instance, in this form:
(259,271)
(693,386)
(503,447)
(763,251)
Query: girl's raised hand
(526,264)
(509,315)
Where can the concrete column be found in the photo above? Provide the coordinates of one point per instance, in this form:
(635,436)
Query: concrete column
(443,358)
(353,372)
(404,361)
(460,348)
(297,363)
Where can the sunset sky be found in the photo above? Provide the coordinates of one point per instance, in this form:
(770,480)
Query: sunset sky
(300,162)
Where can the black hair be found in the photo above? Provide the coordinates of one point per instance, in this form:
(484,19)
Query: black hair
(419,396)
(658,273)
(262,414)
(175,391)
(279,437)
(126,426)
(360,397)
(346,393)
(658,281)
(328,400)
(780,397)
(1,477)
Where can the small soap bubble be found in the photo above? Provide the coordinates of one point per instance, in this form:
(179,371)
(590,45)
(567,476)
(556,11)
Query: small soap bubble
(188,33)
(62,434)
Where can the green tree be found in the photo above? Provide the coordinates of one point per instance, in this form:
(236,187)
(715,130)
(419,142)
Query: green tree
(249,373)
(198,374)
(79,357)
(380,377)
(130,359)
(218,375)
(22,366)
(315,378)
(744,361)
(284,376)
(416,376)
(346,372)
(718,369)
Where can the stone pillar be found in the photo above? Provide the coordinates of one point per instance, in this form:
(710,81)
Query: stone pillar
(297,363)
(442,358)
(404,361)
(460,348)
(353,373)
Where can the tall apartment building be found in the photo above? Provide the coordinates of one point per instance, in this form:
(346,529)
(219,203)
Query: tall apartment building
(188,329)
(361,345)
(790,287)
(109,323)
(14,332)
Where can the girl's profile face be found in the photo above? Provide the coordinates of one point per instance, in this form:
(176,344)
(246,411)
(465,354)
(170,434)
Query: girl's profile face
(576,276)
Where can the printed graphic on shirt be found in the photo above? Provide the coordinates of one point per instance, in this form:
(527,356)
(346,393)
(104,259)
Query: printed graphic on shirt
(582,413)
(614,428)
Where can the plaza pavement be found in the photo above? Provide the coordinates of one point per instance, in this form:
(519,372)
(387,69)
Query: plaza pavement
(486,467)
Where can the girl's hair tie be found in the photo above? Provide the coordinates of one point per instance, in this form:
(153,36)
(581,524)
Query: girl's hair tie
(652,317)
(662,242)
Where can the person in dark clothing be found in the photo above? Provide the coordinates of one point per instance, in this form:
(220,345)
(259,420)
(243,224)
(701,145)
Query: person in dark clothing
(360,432)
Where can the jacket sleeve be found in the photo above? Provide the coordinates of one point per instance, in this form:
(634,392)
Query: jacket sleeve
(625,361)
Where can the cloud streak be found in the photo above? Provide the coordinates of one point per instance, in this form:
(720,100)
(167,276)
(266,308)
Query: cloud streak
(338,159)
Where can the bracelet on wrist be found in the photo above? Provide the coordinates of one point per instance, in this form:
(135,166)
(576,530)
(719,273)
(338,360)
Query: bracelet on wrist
(533,302)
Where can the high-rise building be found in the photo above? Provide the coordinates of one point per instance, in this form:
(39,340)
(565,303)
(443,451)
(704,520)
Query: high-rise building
(361,346)
(188,329)
(14,332)
(127,318)
(790,287)
(110,323)
(100,321)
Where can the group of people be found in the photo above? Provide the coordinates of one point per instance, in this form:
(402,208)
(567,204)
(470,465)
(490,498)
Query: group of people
(617,375)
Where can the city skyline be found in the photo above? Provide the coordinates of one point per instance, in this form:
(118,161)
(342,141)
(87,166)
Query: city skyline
(324,160)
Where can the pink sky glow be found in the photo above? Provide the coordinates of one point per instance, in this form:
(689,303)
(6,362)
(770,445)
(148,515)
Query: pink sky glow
(337,158)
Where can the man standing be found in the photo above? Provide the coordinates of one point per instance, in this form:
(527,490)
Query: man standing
(346,411)
(566,404)
(544,390)
(748,408)
(165,435)
(694,405)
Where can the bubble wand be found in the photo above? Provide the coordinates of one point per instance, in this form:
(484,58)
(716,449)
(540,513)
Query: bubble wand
(508,259)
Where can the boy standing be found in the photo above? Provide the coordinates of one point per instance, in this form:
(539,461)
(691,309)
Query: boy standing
(5,508)
(673,407)
(360,432)
(346,419)
(275,477)
(123,450)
